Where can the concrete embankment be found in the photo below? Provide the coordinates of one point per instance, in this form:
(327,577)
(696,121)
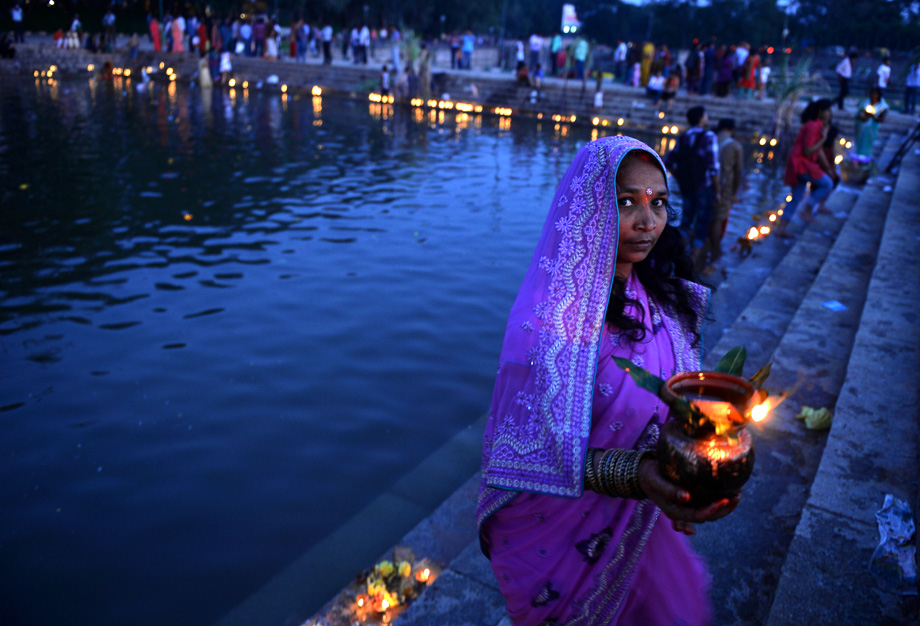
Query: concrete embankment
(557,101)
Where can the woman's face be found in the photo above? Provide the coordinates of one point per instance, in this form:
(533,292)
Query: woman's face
(825,115)
(642,198)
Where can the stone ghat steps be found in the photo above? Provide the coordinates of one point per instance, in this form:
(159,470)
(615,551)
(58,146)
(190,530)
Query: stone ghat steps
(873,445)
(787,322)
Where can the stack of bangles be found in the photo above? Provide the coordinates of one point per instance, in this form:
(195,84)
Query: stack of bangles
(616,473)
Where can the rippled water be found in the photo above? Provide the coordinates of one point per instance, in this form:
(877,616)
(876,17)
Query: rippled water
(220,316)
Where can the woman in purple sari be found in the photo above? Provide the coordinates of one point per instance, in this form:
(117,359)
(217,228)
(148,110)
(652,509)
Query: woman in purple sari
(571,499)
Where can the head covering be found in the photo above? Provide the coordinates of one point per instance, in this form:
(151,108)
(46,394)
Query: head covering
(540,417)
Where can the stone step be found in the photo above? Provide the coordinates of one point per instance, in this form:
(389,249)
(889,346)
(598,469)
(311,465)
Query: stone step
(872,448)
(809,345)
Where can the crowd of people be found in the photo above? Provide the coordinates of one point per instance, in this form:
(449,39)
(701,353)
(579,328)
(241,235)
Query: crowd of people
(707,68)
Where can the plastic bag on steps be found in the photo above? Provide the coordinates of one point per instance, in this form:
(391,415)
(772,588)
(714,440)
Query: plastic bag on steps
(894,562)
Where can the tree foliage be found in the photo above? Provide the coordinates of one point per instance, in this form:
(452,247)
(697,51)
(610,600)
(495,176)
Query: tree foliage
(866,24)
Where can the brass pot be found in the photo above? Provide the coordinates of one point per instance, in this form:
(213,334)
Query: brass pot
(709,466)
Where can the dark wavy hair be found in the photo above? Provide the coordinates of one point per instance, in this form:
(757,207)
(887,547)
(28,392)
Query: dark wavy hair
(814,108)
(660,273)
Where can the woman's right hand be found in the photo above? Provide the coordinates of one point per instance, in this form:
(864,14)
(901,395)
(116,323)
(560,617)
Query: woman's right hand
(674,501)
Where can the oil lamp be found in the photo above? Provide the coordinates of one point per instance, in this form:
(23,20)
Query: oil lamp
(711,459)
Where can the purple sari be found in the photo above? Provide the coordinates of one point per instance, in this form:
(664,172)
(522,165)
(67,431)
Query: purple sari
(563,555)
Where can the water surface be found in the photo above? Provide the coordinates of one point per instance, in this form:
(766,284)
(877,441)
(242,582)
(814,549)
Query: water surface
(227,324)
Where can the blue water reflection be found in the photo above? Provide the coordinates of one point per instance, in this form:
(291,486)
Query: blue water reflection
(228,323)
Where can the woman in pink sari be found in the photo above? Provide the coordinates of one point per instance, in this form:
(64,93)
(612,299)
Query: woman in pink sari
(178,33)
(155,34)
(569,542)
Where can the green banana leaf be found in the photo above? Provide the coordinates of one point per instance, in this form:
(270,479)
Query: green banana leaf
(733,361)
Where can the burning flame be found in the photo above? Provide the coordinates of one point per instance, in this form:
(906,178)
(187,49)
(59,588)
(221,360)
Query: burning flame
(716,452)
(753,233)
(423,575)
(762,411)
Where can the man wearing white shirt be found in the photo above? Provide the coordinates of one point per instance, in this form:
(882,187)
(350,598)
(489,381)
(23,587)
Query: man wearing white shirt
(16,14)
(536,46)
(844,75)
(364,42)
(883,74)
(326,34)
(741,55)
(619,60)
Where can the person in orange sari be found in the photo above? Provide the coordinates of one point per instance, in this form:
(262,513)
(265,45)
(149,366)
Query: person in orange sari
(648,55)
(747,81)
(203,37)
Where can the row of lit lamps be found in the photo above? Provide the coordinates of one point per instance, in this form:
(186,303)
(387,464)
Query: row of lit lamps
(418,102)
